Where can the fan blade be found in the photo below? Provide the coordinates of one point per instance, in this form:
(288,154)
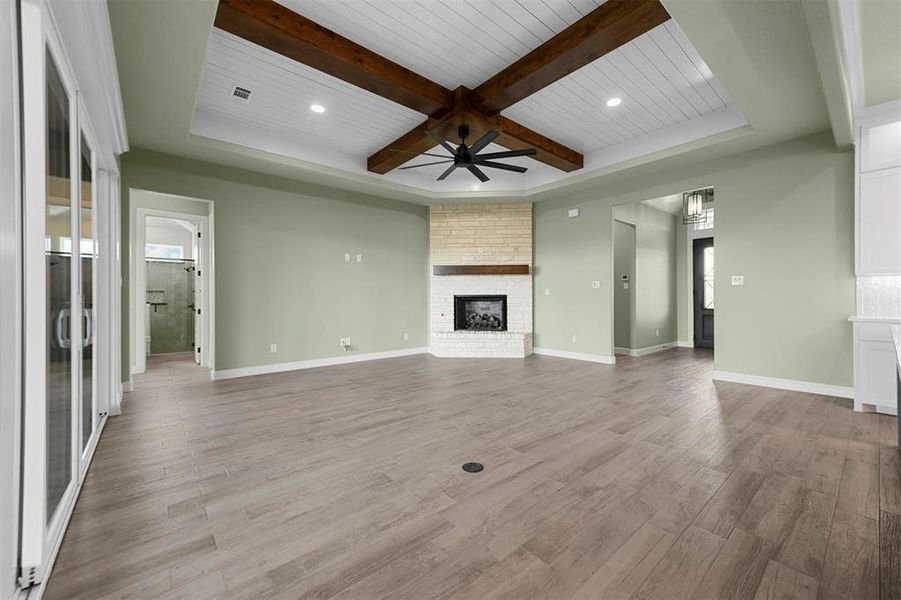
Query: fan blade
(478,173)
(507,154)
(483,141)
(418,153)
(497,165)
(444,175)
(441,141)
(437,162)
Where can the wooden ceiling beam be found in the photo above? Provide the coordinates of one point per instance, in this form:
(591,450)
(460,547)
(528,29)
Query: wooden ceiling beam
(512,136)
(603,30)
(283,31)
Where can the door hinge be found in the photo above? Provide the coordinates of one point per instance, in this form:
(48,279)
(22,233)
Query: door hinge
(28,576)
(198,234)
(198,311)
(198,348)
(198,272)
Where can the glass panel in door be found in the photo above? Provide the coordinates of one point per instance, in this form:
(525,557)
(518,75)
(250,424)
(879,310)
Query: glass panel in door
(58,256)
(88,253)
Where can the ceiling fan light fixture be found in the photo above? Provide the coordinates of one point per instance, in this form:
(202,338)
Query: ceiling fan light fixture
(614,102)
(317,108)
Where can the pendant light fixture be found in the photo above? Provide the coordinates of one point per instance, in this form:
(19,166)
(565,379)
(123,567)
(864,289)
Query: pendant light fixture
(694,205)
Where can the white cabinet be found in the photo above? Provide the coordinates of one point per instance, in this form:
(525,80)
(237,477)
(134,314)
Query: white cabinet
(879,222)
(875,379)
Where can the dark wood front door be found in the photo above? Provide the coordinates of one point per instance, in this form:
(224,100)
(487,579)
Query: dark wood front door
(703,296)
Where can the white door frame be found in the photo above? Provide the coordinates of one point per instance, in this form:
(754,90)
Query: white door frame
(138,294)
(690,236)
(11,313)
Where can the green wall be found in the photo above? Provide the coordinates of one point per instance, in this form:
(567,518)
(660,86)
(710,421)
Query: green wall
(280,270)
(784,220)
(654,283)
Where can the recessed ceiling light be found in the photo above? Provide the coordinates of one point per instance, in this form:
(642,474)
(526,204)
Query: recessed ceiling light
(317,108)
(614,102)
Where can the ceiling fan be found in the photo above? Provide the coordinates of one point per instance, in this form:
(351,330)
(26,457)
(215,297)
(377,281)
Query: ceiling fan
(468,157)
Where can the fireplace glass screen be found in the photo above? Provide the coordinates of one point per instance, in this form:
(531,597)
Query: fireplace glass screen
(480,313)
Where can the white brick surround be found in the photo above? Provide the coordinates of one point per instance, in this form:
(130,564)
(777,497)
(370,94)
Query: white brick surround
(488,234)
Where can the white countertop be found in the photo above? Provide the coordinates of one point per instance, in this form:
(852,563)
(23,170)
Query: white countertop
(869,319)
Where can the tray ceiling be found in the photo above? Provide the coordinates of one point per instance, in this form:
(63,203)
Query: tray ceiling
(669,95)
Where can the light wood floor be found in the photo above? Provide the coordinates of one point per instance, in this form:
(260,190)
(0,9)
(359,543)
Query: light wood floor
(643,480)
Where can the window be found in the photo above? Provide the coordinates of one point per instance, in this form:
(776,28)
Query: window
(708,277)
(164,251)
(708,223)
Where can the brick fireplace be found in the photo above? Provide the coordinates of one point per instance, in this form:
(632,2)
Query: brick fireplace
(492,244)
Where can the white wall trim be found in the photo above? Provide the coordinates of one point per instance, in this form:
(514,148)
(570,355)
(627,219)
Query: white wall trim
(646,350)
(595,358)
(314,363)
(684,344)
(848,13)
(811,387)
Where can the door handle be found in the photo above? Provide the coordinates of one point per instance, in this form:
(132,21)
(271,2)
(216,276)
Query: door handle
(61,339)
(89,327)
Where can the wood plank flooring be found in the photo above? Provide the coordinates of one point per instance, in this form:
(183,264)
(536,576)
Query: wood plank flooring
(642,480)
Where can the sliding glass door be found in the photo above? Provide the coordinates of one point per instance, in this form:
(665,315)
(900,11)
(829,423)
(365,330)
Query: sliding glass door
(87,264)
(59,278)
(61,254)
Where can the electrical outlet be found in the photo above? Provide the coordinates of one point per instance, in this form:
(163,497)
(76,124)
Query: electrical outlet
(738,280)
(572,213)
(347,257)
(595,285)
(273,348)
(406,336)
(359,258)
(575,339)
(547,291)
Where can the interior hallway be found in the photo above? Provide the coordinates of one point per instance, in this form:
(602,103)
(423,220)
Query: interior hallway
(642,480)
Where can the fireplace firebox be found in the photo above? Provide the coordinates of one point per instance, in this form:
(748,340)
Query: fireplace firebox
(480,313)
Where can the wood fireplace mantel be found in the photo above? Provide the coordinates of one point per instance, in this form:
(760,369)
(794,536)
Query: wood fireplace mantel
(480,269)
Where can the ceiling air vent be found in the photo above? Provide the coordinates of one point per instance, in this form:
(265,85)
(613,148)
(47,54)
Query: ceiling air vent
(240,94)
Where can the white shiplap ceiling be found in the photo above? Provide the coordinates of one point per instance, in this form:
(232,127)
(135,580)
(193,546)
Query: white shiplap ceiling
(452,42)
(669,94)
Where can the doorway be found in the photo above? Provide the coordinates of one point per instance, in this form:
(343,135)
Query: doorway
(703,264)
(172,270)
(172,295)
(623,283)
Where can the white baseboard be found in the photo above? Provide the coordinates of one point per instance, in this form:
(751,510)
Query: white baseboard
(644,351)
(128,386)
(595,358)
(685,344)
(313,363)
(825,389)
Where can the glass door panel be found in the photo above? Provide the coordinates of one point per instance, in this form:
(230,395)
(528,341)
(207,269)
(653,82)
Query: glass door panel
(88,253)
(58,256)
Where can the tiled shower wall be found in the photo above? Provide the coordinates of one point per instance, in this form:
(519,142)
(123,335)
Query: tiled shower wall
(171,324)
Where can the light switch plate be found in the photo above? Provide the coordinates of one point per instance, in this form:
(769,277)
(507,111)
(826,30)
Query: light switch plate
(595,285)
(273,348)
(738,280)
(572,213)
(347,257)
(359,258)
(547,291)
(625,285)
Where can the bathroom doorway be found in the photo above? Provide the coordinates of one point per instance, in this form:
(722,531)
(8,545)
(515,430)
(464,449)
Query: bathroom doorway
(170,270)
(172,280)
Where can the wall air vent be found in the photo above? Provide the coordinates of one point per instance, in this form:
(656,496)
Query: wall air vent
(240,94)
